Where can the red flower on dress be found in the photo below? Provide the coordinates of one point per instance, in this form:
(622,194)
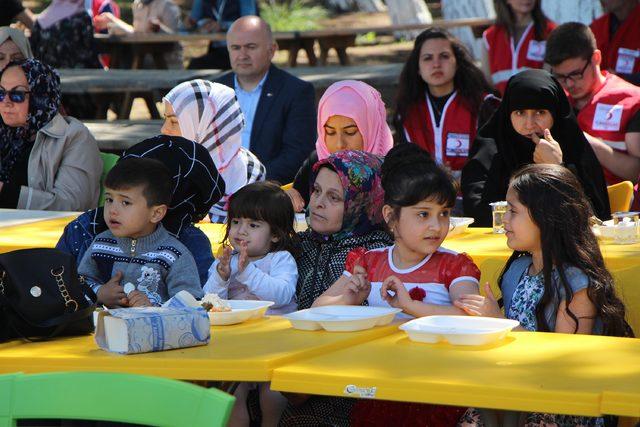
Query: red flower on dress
(417,294)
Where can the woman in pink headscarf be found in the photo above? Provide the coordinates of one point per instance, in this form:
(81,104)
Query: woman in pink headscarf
(351,116)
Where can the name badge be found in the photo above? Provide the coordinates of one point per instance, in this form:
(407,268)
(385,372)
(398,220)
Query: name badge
(607,117)
(626,60)
(457,145)
(536,50)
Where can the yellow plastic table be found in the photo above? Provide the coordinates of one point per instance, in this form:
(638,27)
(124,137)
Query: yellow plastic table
(245,352)
(528,371)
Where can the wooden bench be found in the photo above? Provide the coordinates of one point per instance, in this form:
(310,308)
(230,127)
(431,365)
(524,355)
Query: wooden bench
(119,135)
(121,86)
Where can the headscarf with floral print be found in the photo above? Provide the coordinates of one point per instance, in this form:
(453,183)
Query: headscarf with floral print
(359,173)
(44,102)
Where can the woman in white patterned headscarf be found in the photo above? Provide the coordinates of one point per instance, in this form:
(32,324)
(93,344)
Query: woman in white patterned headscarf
(209,114)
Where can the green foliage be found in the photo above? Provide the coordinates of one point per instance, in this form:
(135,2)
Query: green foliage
(292,15)
(366,39)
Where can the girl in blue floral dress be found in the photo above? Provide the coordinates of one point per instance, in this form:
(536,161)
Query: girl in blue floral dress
(555,280)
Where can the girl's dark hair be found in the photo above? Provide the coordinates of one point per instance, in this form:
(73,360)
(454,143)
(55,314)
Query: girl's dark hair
(506,18)
(409,176)
(469,80)
(266,201)
(558,206)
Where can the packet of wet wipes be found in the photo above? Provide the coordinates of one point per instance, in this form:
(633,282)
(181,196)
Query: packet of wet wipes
(180,322)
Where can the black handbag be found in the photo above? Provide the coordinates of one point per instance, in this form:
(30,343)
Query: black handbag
(42,296)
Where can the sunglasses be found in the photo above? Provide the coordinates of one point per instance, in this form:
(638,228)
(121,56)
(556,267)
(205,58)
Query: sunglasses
(15,95)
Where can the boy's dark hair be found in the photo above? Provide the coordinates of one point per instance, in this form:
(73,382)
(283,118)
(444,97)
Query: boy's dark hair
(569,40)
(266,201)
(409,175)
(151,174)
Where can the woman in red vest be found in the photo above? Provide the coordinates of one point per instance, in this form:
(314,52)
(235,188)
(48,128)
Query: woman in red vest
(517,40)
(439,98)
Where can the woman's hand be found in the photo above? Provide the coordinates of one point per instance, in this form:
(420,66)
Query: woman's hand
(224,264)
(547,150)
(401,298)
(296,199)
(477,305)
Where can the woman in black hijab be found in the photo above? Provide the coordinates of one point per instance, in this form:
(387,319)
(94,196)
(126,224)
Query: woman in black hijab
(534,124)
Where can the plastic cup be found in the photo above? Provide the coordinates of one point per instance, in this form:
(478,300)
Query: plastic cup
(498,211)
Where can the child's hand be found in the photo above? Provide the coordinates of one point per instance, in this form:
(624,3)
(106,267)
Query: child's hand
(224,264)
(112,293)
(401,299)
(477,305)
(358,282)
(243,258)
(296,199)
(139,299)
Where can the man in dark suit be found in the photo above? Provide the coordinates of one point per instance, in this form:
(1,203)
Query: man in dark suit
(279,108)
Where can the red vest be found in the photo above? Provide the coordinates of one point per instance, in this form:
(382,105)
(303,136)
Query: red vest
(507,59)
(448,144)
(608,113)
(621,52)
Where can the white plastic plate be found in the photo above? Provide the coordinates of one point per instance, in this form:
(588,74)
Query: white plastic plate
(241,311)
(458,330)
(459,225)
(341,318)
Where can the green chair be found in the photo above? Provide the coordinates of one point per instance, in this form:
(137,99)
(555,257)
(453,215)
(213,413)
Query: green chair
(116,397)
(108,161)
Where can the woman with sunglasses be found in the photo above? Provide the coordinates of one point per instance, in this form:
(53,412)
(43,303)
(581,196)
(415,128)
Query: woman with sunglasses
(47,161)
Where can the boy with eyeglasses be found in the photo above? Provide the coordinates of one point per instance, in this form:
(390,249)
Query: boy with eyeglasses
(607,107)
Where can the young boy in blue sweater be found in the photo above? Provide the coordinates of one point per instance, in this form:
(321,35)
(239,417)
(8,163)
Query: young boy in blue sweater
(137,263)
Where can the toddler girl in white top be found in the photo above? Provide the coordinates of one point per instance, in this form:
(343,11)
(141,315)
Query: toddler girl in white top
(260,229)
(258,265)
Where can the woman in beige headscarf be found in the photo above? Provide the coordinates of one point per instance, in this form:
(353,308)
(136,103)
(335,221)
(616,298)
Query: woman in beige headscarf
(14,46)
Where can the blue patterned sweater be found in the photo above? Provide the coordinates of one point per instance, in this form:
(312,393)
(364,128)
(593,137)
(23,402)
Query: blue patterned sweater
(157,264)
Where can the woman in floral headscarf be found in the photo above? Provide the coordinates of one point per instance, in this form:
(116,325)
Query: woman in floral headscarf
(345,212)
(47,161)
(209,114)
(351,116)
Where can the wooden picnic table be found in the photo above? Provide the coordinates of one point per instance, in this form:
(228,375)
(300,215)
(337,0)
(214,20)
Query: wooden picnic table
(123,85)
(155,44)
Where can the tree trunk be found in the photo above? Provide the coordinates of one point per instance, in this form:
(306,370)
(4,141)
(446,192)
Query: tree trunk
(408,12)
(456,9)
(561,11)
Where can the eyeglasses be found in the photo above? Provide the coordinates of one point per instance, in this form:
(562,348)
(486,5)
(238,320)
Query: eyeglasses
(574,76)
(17,96)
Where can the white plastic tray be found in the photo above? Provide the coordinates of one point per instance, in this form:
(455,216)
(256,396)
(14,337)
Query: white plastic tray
(458,330)
(241,311)
(459,225)
(341,318)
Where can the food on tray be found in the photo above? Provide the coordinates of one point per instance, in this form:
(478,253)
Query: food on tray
(213,303)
